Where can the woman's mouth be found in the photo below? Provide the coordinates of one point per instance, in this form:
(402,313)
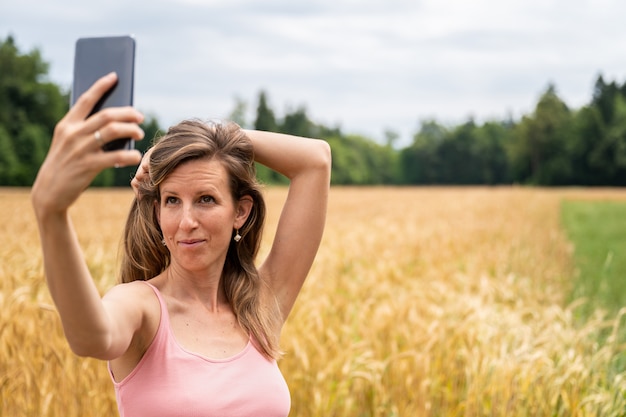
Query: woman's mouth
(190,242)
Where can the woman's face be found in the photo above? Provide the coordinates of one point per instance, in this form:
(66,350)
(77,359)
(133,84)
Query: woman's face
(197,215)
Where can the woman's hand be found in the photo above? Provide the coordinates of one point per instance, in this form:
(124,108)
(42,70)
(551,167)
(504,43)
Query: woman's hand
(76,156)
(142,174)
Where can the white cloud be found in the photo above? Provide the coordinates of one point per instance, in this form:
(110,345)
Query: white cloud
(366,64)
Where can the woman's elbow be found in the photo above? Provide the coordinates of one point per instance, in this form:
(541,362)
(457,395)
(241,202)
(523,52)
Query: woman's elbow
(324,155)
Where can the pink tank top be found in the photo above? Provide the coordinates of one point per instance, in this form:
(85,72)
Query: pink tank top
(171,381)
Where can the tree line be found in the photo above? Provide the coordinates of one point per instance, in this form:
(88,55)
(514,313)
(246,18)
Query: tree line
(552,146)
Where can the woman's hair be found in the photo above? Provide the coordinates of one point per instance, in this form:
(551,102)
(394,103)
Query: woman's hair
(145,256)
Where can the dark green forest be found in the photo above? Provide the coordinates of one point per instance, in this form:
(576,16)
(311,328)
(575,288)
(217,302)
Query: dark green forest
(555,145)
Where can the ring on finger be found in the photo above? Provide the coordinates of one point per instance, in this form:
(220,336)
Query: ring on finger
(98,138)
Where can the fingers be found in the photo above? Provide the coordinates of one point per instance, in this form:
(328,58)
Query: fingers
(75,156)
(113,114)
(107,119)
(116,130)
(98,137)
(142,174)
(87,101)
(119,159)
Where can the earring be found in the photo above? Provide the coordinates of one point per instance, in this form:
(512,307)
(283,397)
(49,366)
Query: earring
(163,242)
(237,237)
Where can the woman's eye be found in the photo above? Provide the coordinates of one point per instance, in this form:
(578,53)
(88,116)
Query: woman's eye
(170,200)
(207,199)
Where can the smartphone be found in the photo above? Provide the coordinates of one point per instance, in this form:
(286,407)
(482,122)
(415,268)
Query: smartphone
(96,57)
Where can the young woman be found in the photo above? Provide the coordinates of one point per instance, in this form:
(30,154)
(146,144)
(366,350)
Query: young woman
(193,328)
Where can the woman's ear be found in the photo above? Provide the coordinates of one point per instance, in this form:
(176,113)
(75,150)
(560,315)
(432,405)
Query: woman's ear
(244,207)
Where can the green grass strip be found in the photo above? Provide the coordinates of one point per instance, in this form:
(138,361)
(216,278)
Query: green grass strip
(598,231)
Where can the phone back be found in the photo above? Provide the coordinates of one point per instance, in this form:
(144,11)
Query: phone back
(98,56)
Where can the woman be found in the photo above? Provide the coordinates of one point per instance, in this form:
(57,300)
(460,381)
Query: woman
(194,327)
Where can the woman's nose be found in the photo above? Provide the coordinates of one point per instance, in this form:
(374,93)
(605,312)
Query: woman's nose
(188,219)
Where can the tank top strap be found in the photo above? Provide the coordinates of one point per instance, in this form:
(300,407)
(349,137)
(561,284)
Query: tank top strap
(158,343)
(164,322)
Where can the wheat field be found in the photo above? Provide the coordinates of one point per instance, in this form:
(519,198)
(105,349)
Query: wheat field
(422,302)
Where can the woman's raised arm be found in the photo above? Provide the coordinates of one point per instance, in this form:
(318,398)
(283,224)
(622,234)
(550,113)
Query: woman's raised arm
(307,164)
(74,159)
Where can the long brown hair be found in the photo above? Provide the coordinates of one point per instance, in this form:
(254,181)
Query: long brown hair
(144,254)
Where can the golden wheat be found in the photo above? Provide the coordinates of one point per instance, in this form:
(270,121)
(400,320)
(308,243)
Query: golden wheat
(422,302)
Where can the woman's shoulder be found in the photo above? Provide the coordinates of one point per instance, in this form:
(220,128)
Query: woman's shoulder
(140,294)
(133,287)
(136,305)
(144,299)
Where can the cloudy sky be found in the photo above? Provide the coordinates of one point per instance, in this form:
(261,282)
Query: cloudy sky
(364,65)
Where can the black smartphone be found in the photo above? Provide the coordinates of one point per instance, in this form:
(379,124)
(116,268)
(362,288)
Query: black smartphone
(96,57)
